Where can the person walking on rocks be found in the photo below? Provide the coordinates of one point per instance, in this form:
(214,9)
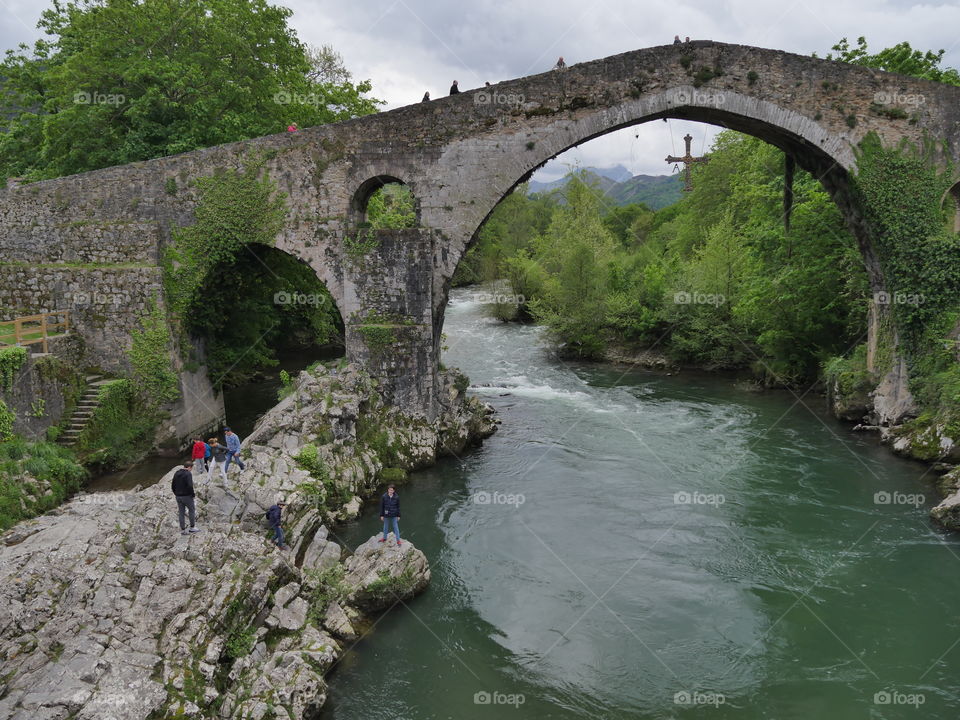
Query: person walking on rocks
(233,450)
(182,486)
(274,518)
(390,513)
(197,453)
(218,459)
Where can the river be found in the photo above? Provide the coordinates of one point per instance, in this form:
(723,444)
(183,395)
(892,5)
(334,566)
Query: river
(637,545)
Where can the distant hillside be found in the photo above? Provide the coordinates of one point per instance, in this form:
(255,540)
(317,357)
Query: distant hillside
(616,183)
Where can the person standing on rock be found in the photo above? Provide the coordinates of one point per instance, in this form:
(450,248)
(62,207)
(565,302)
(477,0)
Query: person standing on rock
(390,513)
(233,450)
(197,453)
(182,486)
(218,459)
(454,89)
(273,517)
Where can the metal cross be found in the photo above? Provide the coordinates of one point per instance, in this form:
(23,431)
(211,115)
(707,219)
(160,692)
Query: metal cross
(688,160)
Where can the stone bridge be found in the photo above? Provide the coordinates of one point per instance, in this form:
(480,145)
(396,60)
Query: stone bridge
(91,242)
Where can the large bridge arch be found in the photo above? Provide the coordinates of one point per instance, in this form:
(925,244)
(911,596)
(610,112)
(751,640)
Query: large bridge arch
(459,155)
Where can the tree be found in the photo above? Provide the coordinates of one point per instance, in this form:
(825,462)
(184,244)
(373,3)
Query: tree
(901,58)
(117,81)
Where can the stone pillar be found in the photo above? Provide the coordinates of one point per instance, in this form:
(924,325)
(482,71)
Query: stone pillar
(388,318)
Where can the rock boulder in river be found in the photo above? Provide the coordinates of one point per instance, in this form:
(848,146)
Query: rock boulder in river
(107,612)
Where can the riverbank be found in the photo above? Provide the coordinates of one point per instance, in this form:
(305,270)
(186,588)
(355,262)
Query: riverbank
(108,612)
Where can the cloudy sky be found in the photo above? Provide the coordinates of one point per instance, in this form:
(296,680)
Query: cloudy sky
(406,47)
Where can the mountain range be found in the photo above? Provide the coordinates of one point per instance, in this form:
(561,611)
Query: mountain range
(621,187)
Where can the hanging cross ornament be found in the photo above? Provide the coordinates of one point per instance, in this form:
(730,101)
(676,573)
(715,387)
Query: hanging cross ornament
(688,160)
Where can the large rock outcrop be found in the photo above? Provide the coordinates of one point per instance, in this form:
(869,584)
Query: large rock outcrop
(108,612)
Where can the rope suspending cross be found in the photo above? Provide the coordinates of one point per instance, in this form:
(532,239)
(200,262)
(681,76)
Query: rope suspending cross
(688,160)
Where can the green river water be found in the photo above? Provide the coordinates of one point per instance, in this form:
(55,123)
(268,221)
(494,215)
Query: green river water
(635,545)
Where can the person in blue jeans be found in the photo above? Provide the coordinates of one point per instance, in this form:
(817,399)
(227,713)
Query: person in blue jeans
(233,450)
(390,513)
(273,517)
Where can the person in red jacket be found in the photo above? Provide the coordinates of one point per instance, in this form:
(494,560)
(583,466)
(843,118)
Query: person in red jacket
(197,454)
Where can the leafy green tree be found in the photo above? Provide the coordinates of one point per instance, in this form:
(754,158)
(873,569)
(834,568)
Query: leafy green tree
(392,207)
(901,58)
(117,81)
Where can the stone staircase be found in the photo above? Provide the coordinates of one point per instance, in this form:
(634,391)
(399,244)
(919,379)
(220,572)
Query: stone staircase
(84,411)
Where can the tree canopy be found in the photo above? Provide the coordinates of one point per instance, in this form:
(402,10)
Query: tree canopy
(117,81)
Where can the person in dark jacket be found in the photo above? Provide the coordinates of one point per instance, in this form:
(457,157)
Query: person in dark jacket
(182,486)
(426,97)
(218,459)
(454,90)
(273,517)
(390,513)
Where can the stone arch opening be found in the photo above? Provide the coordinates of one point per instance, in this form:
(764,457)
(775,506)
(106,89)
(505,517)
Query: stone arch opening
(385,202)
(264,308)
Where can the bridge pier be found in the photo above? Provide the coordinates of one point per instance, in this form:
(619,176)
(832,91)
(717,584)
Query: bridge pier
(388,315)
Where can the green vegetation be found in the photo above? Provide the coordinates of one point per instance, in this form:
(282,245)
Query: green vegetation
(53,469)
(333,495)
(150,353)
(714,280)
(120,429)
(112,83)
(7,418)
(387,587)
(391,207)
(328,586)
(11,360)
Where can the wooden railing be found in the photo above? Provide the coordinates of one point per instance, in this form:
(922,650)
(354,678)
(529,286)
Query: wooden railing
(32,329)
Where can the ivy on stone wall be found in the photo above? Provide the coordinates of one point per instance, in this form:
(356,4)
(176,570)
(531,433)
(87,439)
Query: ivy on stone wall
(900,192)
(11,360)
(6,422)
(235,208)
(150,358)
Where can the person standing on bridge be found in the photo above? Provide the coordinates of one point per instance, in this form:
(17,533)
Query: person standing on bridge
(182,486)
(233,450)
(390,513)
(454,90)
